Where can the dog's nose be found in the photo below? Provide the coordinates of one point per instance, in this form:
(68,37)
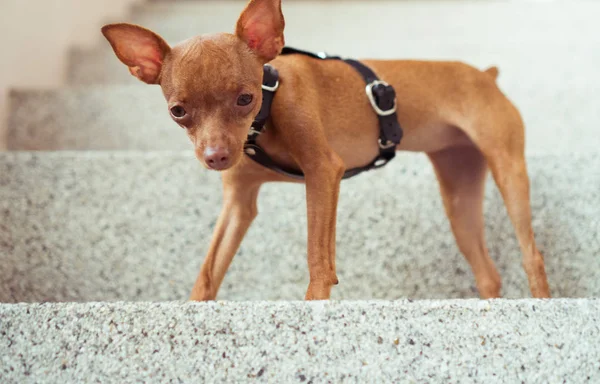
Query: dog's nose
(217,158)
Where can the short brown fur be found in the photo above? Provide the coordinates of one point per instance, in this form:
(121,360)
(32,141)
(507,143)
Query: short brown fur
(323,124)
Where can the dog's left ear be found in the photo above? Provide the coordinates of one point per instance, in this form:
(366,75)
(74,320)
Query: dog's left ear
(261,27)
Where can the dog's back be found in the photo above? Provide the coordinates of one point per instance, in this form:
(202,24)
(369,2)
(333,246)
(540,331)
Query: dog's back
(435,100)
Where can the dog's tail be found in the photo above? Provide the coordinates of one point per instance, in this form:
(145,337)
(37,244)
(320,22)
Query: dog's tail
(493,71)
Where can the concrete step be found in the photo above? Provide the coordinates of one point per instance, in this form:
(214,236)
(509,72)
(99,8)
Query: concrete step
(99,117)
(560,117)
(468,341)
(135,226)
(534,40)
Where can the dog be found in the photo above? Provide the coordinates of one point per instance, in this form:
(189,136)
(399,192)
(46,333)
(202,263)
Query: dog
(322,124)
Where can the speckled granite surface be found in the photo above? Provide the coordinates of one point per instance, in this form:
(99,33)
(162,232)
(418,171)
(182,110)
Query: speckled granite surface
(135,226)
(409,342)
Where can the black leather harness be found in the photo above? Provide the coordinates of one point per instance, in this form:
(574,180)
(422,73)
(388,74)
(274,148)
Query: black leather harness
(380,94)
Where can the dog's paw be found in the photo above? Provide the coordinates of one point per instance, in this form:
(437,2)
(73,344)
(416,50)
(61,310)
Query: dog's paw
(318,291)
(204,293)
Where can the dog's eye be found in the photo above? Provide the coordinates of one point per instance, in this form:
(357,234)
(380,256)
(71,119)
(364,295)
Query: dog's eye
(178,112)
(244,99)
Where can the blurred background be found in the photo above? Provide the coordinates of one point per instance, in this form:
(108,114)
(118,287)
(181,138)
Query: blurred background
(112,204)
(36,36)
(546,50)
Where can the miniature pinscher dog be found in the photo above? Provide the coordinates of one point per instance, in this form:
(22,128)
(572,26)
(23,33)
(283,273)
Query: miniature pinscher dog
(322,124)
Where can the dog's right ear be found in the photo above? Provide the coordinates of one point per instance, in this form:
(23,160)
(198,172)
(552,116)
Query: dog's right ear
(261,26)
(140,49)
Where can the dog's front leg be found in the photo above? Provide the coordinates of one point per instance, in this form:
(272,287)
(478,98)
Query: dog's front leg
(238,212)
(322,191)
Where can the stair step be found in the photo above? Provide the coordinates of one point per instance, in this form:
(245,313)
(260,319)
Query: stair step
(534,40)
(102,226)
(466,341)
(99,117)
(559,117)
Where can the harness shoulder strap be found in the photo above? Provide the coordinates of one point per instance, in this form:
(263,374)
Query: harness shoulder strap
(251,148)
(380,94)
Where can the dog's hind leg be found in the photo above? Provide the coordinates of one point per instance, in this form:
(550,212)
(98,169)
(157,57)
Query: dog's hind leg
(510,174)
(500,135)
(461,172)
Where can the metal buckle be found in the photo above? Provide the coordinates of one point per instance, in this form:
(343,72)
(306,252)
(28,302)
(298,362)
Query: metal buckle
(380,162)
(253,131)
(271,89)
(371,97)
(388,144)
(327,56)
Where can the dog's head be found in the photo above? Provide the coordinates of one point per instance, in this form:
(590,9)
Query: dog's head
(212,83)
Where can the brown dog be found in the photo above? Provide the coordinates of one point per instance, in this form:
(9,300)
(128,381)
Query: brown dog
(322,124)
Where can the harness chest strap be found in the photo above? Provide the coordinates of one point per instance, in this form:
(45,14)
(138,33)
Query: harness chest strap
(380,94)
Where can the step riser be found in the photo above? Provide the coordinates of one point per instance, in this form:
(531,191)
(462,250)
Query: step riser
(136,227)
(419,342)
